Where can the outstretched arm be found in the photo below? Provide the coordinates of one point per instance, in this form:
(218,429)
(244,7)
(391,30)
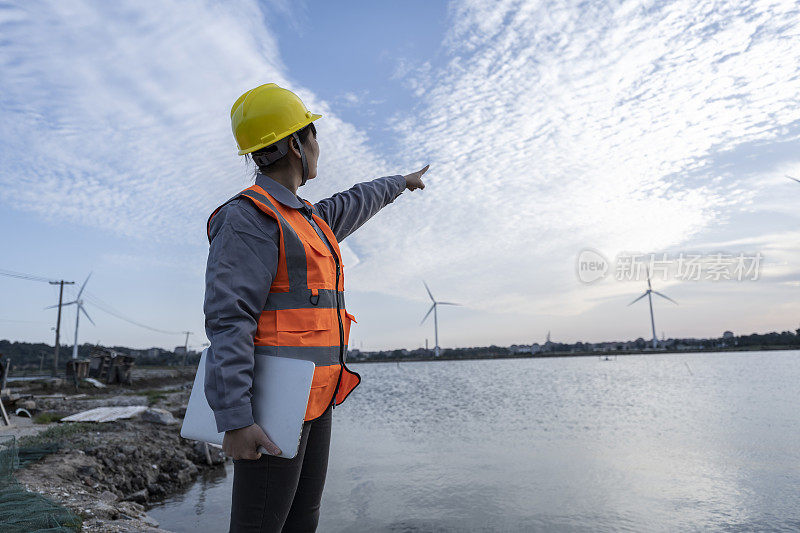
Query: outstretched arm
(346,211)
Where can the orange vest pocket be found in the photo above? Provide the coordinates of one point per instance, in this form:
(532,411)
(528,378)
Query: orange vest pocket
(321,267)
(322,386)
(306,327)
(310,319)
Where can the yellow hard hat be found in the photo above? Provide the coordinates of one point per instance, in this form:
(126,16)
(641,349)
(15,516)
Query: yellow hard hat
(267,114)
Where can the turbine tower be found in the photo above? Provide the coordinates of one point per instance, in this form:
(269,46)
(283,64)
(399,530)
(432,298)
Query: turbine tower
(435,319)
(649,293)
(80,309)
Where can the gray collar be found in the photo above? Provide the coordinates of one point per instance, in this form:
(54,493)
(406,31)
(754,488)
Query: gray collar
(279,192)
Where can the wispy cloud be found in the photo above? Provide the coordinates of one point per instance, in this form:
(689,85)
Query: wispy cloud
(549,127)
(115,114)
(559,125)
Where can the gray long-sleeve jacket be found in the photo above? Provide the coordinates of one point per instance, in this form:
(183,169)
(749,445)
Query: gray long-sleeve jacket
(242,261)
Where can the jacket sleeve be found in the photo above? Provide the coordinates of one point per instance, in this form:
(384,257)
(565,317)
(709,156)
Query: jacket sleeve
(242,261)
(346,211)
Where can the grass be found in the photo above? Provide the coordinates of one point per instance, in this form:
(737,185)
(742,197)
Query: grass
(154,395)
(59,433)
(47,417)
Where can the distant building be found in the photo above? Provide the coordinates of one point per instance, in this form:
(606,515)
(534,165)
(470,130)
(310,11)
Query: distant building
(682,346)
(179,350)
(525,348)
(548,344)
(727,335)
(153,352)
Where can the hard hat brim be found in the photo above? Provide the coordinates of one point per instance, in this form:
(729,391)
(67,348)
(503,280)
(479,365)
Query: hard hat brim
(281,136)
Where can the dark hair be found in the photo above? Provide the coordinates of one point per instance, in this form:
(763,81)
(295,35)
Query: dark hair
(302,133)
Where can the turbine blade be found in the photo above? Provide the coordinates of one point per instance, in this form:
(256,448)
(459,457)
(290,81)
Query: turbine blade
(83,286)
(446,303)
(428,313)
(86,315)
(791,178)
(429,291)
(637,299)
(665,296)
(62,305)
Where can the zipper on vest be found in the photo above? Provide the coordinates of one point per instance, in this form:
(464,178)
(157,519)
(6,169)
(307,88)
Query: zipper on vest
(310,217)
(341,333)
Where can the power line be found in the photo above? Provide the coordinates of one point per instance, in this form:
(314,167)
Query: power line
(97,302)
(103,306)
(23,321)
(20,275)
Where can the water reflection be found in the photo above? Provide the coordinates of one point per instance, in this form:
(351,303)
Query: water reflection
(203,506)
(574,444)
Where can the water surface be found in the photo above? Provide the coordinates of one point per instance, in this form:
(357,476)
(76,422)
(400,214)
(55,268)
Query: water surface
(649,442)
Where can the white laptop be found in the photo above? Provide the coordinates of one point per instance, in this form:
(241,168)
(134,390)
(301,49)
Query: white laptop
(281,387)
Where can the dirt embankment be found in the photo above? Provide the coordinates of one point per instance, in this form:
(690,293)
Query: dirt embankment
(108,472)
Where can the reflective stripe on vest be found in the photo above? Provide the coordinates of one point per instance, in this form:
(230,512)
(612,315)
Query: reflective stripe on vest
(300,318)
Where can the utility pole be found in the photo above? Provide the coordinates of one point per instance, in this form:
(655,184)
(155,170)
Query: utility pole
(61,284)
(186,347)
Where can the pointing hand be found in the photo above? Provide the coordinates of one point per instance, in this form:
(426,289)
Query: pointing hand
(414,180)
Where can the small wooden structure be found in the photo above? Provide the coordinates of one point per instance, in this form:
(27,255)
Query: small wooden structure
(78,368)
(5,365)
(110,367)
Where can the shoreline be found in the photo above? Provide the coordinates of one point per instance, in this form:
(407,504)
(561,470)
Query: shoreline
(550,355)
(110,473)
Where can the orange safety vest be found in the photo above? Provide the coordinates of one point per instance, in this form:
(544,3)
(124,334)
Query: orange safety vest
(305,317)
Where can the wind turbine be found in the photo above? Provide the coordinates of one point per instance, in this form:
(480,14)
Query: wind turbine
(791,178)
(435,318)
(649,293)
(80,309)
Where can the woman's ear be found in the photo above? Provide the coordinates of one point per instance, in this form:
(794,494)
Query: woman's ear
(294,146)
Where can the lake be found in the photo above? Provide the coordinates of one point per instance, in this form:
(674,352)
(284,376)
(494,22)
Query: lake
(679,442)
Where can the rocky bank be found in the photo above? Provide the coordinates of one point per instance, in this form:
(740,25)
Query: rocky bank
(109,472)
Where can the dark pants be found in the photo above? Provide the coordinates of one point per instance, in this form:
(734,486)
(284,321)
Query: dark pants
(276,494)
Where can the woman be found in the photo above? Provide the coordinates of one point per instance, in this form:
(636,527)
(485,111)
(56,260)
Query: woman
(275,286)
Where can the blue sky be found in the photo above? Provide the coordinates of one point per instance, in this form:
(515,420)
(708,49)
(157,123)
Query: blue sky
(649,127)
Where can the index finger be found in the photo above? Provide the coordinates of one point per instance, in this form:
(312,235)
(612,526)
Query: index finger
(424,169)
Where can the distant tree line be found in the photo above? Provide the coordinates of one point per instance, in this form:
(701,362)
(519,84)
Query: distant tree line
(754,341)
(25,355)
(30,356)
